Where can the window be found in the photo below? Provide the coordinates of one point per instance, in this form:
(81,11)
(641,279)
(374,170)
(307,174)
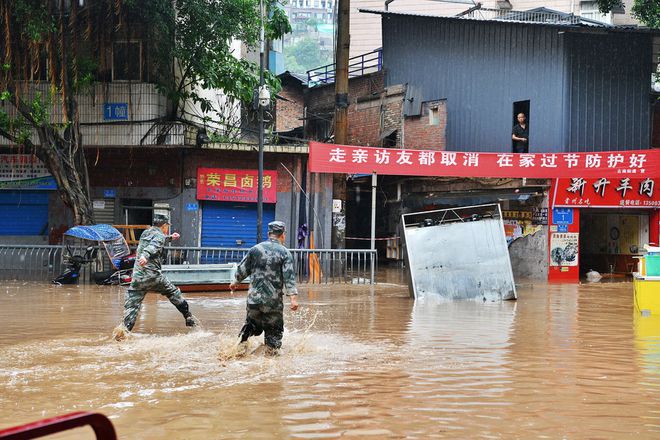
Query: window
(434,116)
(127,61)
(589,9)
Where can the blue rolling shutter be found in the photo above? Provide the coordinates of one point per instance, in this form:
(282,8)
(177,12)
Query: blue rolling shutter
(23,212)
(228,224)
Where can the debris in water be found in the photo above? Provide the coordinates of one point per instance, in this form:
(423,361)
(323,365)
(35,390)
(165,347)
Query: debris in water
(593,276)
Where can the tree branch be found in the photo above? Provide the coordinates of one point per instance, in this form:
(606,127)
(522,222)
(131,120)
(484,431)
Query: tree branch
(8,135)
(20,105)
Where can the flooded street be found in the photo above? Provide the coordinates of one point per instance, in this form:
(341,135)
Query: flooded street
(357,362)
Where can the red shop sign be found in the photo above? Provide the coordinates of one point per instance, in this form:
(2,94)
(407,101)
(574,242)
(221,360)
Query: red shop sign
(620,192)
(234,185)
(332,158)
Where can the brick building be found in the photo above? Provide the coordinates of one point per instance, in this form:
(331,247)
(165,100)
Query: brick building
(378,115)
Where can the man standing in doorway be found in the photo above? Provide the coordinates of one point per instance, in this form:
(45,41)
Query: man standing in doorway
(520,135)
(147,276)
(270,268)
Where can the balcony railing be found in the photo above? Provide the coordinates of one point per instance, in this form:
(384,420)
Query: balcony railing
(357,66)
(533,16)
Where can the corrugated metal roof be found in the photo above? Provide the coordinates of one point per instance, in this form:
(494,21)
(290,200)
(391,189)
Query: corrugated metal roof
(527,18)
(300,77)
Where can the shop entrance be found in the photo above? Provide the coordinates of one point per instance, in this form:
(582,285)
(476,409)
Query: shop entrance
(610,239)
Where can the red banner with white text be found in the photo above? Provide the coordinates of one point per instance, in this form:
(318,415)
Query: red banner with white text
(620,192)
(226,185)
(332,158)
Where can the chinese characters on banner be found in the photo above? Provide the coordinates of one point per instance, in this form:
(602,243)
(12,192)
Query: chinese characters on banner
(24,171)
(607,192)
(234,185)
(332,158)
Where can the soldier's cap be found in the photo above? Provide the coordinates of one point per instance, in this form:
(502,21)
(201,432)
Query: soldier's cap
(276,227)
(161,219)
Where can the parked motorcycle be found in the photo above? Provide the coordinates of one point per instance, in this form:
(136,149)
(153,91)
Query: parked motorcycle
(117,250)
(73,264)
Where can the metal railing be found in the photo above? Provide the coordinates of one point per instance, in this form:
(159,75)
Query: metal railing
(317,266)
(30,262)
(102,426)
(544,16)
(357,66)
(313,266)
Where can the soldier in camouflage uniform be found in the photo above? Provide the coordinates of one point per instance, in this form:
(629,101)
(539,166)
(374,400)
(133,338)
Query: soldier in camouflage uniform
(147,276)
(270,268)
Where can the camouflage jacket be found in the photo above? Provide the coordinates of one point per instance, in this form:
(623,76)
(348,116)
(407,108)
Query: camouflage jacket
(152,242)
(270,268)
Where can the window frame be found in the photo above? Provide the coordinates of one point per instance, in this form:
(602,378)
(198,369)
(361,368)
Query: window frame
(140,65)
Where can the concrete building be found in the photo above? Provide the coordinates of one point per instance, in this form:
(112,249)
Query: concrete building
(140,162)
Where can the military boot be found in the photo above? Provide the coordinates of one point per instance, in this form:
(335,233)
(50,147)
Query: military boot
(191,321)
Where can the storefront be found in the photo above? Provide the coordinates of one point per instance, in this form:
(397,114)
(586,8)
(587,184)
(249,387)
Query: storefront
(601,224)
(25,189)
(228,199)
(620,181)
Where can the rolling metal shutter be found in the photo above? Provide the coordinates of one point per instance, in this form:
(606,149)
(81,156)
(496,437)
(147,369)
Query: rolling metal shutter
(104,211)
(24,212)
(229,224)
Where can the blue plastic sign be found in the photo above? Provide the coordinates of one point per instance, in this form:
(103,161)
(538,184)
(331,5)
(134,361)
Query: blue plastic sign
(562,228)
(562,216)
(115,111)
(109,193)
(192,207)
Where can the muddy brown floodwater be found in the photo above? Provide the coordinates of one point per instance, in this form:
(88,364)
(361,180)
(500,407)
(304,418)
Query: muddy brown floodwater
(562,362)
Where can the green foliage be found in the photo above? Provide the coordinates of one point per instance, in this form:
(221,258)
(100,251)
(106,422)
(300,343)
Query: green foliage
(40,108)
(200,40)
(190,46)
(646,11)
(278,24)
(87,68)
(15,126)
(34,20)
(305,55)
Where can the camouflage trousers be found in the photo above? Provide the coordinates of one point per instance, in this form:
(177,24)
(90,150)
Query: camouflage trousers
(138,289)
(268,319)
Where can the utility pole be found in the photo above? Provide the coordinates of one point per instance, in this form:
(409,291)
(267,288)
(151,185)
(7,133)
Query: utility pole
(260,98)
(341,119)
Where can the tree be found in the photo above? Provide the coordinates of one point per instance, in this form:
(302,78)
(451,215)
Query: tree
(646,11)
(305,55)
(52,52)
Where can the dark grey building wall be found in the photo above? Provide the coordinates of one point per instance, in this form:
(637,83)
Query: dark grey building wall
(609,91)
(481,69)
(584,89)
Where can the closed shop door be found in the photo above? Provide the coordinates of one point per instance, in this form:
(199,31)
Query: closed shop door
(23,212)
(228,224)
(104,211)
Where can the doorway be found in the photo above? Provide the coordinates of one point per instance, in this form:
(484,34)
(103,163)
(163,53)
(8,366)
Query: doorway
(520,107)
(610,239)
(137,211)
